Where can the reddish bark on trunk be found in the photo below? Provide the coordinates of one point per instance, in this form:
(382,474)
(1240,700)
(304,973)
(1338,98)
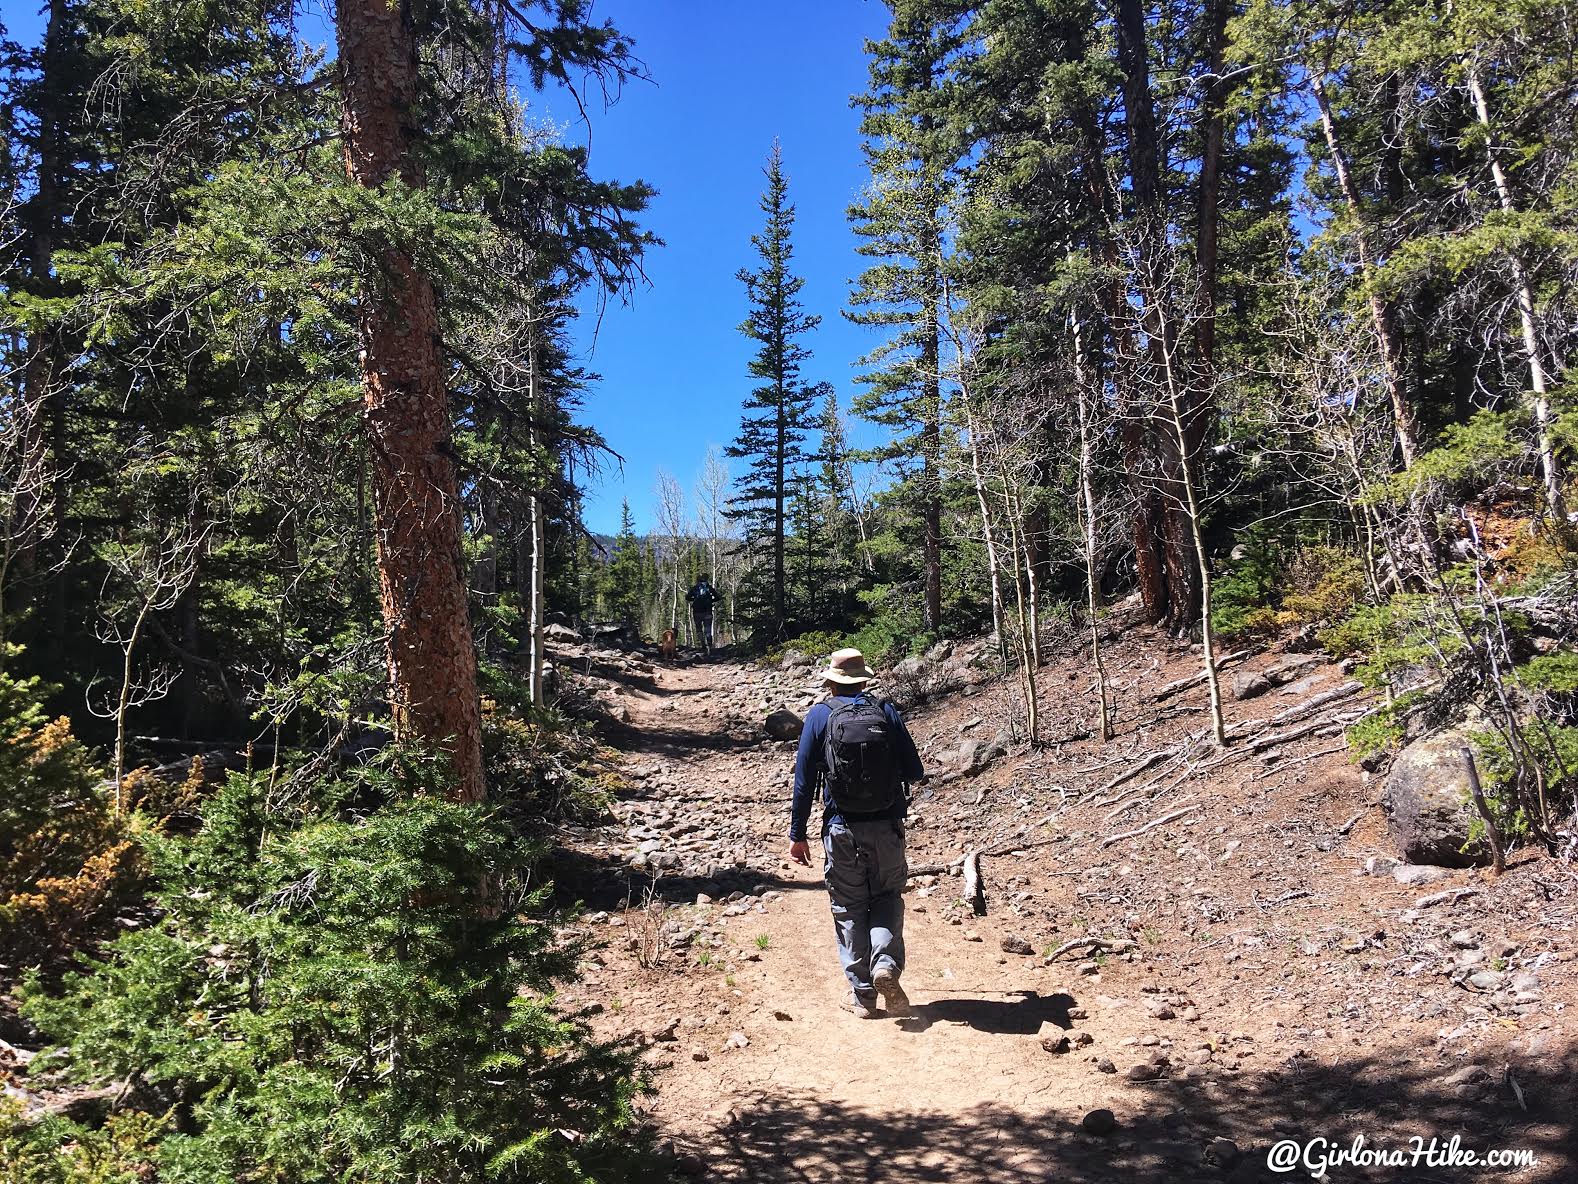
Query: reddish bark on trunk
(422,588)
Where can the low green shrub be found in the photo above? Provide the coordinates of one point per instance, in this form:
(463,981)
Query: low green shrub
(59,1151)
(816,646)
(1267,591)
(67,860)
(351,980)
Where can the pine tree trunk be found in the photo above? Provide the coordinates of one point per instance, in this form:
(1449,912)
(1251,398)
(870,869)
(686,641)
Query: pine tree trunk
(780,576)
(1525,298)
(1380,311)
(1087,503)
(931,469)
(1208,217)
(536,610)
(1027,658)
(1186,476)
(993,564)
(43,397)
(1157,548)
(416,503)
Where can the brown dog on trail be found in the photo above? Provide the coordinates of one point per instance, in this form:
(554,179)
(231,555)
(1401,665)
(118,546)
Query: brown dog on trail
(668,647)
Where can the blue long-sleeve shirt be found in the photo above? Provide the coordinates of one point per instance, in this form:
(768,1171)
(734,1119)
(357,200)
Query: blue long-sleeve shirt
(810,764)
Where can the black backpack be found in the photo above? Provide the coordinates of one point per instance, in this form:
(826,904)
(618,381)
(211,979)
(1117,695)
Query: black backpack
(702,596)
(862,758)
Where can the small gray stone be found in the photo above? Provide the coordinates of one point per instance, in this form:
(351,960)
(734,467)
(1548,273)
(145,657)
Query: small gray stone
(1525,980)
(1056,1044)
(1486,980)
(1249,684)
(737,1040)
(1418,873)
(1223,1153)
(1145,1071)
(1105,1065)
(1017,945)
(1099,1122)
(783,725)
(1467,1075)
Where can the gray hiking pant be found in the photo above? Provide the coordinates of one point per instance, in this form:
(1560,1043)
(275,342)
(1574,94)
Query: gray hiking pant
(865,871)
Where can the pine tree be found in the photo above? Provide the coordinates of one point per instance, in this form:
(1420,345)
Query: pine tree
(842,522)
(416,494)
(909,149)
(778,411)
(625,590)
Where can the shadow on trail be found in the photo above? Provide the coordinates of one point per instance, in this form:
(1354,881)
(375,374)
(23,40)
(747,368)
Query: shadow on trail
(1021,1017)
(607,883)
(672,742)
(1166,1135)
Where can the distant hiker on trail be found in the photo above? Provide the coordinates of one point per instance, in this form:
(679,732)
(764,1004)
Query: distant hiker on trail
(701,598)
(855,746)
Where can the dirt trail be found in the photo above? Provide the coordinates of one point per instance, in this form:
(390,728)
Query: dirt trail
(763,1077)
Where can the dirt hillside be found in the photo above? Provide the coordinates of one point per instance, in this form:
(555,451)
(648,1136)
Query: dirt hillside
(1215,947)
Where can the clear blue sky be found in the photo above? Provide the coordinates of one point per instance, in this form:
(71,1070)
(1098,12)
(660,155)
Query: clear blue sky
(728,76)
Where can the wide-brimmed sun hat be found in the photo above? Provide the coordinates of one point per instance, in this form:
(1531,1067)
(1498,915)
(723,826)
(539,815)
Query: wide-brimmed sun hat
(847,668)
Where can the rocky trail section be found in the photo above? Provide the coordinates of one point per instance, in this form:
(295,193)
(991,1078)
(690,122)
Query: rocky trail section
(1186,955)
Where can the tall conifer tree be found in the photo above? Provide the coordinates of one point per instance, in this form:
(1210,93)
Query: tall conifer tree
(779,410)
(908,148)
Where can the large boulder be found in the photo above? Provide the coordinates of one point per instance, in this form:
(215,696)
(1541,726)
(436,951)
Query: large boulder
(1428,808)
(1247,684)
(974,755)
(783,725)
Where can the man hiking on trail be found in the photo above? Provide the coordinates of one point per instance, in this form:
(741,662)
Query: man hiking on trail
(701,598)
(856,748)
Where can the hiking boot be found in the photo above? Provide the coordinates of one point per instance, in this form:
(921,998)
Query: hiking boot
(865,1009)
(894,1000)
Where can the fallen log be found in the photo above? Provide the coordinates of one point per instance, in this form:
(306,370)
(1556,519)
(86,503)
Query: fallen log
(1158,755)
(933,869)
(974,886)
(1450,896)
(1194,680)
(1271,741)
(1155,822)
(1313,756)
(1315,702)
(1115,945)
(1352,822)
(1293,894)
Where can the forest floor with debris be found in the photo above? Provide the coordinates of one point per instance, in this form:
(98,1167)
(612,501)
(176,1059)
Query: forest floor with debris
(1213,946)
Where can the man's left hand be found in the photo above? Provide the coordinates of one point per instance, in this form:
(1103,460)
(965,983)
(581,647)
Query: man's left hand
(800,852)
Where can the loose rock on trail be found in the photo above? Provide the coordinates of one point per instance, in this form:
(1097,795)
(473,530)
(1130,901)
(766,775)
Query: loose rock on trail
(1185,957)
